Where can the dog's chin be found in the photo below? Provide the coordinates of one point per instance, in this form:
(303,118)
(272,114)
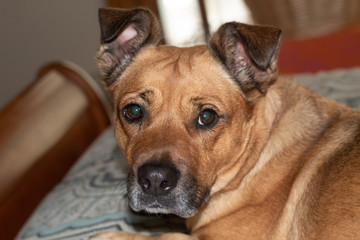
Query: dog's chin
(184,201)
(159,209)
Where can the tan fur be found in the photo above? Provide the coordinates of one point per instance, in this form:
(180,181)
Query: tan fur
(287,167)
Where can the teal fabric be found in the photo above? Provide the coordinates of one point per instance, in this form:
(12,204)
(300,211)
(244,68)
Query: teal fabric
(341,85)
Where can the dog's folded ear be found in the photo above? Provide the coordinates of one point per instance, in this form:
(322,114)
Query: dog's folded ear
(123,34)
(249,54)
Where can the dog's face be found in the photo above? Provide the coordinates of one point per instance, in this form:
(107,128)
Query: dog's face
(175,127)
(181,114)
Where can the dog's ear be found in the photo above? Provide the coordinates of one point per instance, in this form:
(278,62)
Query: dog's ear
(123,34)
(249,54)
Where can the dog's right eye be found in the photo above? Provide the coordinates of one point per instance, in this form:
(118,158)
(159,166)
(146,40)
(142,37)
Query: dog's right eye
(132,113)
(207,119)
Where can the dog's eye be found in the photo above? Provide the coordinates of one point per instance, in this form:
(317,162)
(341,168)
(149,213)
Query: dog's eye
(132,112)
(207,118)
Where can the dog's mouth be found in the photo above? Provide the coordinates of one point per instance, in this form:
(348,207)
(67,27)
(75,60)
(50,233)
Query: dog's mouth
(162,189)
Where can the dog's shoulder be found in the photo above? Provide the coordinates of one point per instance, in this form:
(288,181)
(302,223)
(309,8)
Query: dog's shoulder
(331,201)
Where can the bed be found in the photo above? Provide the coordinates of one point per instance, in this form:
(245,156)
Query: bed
(92,196)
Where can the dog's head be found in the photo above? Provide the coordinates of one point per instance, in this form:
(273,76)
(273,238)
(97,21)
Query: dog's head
(181,114)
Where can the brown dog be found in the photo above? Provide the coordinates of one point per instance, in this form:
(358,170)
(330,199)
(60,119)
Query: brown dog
(213,135)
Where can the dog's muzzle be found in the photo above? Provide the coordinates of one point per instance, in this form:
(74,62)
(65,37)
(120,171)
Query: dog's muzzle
(161,188)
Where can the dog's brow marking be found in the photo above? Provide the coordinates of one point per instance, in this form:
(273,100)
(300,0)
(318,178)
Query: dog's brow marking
(145,95)
(205,100)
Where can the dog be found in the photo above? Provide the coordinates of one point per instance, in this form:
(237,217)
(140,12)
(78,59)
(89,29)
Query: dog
(212,134)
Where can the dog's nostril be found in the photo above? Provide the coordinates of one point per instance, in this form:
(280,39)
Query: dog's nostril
(158,179)
(145,183)
(165,186)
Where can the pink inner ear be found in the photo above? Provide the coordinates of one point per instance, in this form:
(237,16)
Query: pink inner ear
(129,33)
(241,56)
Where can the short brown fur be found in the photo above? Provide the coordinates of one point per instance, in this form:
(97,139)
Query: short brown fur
(281,163)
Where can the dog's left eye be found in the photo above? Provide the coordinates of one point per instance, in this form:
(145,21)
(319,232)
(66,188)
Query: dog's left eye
(207,118)
(132,112)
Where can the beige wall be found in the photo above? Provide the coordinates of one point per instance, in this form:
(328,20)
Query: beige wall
(34,32)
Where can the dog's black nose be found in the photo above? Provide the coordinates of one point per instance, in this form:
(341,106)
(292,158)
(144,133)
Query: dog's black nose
(158,179)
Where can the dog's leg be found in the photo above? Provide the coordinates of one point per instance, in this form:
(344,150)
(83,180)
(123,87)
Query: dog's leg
(131,236)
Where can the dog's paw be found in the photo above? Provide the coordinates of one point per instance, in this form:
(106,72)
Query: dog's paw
(117,236)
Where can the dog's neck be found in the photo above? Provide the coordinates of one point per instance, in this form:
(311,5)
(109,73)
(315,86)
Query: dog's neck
(262,172)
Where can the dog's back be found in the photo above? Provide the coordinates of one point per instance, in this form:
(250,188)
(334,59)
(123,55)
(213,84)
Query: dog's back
(324,201)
